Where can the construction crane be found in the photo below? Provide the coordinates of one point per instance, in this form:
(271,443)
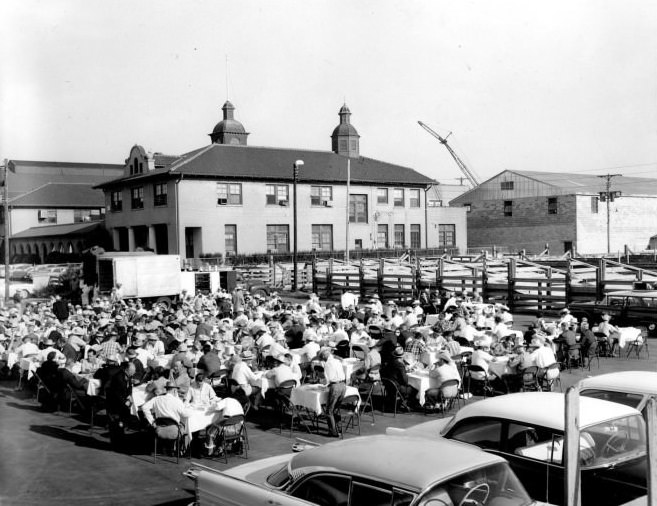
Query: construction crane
(474,181)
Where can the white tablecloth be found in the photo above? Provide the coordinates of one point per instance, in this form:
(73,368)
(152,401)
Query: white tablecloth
(627,335)
(29,365)
(430,356)
(201,417)
(421,381)
(11,358)
(312,397)
(349,366)
(500,366)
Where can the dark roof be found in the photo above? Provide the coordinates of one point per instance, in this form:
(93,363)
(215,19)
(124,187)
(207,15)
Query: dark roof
(70,195)
(225,161)
(58,230)
(26,175)
(591,183)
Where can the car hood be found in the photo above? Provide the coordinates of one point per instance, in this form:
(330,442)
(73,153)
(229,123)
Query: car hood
(426,429)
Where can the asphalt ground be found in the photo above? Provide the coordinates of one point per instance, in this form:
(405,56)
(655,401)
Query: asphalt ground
(55,458)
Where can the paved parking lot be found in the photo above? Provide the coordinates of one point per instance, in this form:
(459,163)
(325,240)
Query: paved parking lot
(51,458)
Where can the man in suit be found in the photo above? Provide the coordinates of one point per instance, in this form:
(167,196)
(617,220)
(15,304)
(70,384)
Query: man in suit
(118,401)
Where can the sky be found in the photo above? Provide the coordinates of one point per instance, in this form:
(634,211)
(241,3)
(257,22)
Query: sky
(565,86)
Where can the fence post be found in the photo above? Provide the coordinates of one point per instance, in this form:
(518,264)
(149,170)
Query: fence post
(568,288)
(484,278)
(600,279)
(379,278)
(361,279)
(329,278)
(548,291)
(511,283)
(314,274)
(439,274)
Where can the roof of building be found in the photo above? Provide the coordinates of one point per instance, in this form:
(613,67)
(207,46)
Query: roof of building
(70,195)
(224,161)
(57,230)
(561,183)
(26,175)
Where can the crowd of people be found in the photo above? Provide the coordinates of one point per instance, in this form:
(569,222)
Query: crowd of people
(122,343)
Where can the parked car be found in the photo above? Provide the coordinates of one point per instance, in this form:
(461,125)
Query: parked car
(630,308)
(368,470)
(632,388)
(527,429)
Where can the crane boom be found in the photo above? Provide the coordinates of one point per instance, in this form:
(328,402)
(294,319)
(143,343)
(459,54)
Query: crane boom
(474,181)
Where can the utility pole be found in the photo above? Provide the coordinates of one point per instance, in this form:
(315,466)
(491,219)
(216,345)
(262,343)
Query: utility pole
(5,202)
(609,196)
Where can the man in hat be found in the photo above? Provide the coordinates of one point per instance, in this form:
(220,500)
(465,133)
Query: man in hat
(282,372)
(110,346)
(443,370)
(247,382)
(395,371)
(209,362)
(179,376)
(311,348)
(167,406)
(154,345)
(410,318)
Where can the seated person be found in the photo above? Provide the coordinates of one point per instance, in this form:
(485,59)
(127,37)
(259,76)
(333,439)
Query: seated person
(200,391)
(395,371)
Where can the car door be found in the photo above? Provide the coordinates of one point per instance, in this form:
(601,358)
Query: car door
(535,455)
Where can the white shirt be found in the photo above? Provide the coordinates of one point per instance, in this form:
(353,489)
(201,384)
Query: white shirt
(310,350)
(165,406)
(333,370)
(200,394)
(543,356)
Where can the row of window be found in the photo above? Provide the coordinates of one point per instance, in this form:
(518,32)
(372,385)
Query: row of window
(277,194)
(552,206)
(49,216)
(278,237)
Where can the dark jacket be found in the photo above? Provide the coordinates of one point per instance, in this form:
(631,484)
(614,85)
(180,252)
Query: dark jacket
(395,370)
(117,393)
(209,363)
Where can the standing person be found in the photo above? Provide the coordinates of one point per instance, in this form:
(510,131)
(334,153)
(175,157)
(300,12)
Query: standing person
(238,299)
(118,394)
(60,308)
(335,379)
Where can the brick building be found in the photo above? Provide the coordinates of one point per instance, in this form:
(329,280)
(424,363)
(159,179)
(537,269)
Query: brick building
(518,210)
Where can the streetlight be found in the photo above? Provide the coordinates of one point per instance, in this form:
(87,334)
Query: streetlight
(297,165)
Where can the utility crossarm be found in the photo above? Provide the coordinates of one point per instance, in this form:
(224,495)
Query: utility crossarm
(443,140)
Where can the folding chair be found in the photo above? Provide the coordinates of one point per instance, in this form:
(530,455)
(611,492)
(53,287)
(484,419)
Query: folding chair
(483,381)
(392,392)
(529,379)
(550,376)
(349,412)
(41,386)
(232,432)
(73,397)
(638,345)
(163,423)
(369,391)
(219,382)
(289,410)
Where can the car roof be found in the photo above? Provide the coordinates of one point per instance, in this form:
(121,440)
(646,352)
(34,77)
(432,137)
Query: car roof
(408,462)
(633,293)
(544,409)
(634,382)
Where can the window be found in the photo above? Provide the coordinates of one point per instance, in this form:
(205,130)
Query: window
(278,238)
(416,237)
(229,194)
(398,197)
(506,185)
(230,239)
(414,198)
(594,205)
(357,208)
(321,196)
(382,236)
(435,203)
(446,236)
(358,244)
(160,194)
(480,432)
(116,201)
(84,215)
(322,237)
(136,167)
(552,205)
(468,207)
(368,494)
(399,236)
(47,215)
(629,399)
(382,195)
(278,194)
(324,489)
(137,197)
(508,208)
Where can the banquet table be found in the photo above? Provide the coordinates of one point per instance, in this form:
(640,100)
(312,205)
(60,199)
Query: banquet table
(200,417)
(351,365)
(263,382)
(430,356)
(421,381)
(312,397)
(28,365)
(627,334)
(500,366)
(139,395)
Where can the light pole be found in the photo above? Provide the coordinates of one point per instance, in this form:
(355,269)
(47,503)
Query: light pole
(297,165)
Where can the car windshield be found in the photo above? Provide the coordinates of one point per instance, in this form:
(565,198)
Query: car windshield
(490,485)
(279,477)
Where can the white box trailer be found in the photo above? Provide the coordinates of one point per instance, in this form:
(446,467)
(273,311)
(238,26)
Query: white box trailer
(141,274)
